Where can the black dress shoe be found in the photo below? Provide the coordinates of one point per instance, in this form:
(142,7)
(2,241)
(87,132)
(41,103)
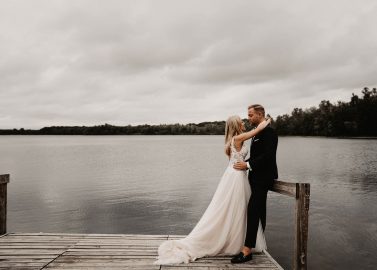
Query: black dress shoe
(241,258)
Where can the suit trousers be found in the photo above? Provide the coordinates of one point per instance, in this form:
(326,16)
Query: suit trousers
(256,211)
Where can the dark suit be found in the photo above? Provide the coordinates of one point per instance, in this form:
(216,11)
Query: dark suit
(261,178)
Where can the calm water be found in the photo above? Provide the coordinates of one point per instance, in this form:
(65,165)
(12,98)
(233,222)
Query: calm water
(163,184)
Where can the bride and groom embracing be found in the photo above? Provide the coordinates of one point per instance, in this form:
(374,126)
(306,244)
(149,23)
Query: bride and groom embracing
(235,219)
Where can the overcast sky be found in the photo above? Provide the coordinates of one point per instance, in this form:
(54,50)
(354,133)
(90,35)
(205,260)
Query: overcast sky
(135,62)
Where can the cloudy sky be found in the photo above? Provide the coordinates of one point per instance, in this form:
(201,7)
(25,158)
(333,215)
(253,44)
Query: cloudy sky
(134,62)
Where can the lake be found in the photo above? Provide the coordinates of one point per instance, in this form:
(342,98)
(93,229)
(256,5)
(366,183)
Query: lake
(163,184)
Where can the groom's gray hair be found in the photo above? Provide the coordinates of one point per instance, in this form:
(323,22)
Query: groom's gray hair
(258,108)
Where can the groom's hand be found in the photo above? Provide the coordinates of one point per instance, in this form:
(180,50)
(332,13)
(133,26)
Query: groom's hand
(240,165)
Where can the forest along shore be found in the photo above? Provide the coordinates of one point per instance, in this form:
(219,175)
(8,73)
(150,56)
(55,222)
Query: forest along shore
(354,119)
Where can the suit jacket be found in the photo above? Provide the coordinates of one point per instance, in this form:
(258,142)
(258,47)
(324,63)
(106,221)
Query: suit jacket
(263,158)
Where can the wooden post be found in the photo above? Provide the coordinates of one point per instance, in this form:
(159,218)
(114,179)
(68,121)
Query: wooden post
(4,180)
(301,227)
(300,191)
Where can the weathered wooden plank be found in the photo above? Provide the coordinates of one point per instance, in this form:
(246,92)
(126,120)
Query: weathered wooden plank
(21,268)
(228,257)
(227,265)
(285,188)
(230,266)
(9,247)
(64,262)
(31,251)
(100,252)
(82,243)
(136,248)
(26,236)
(78,246)
(46,236)
(141,267)
(244,266)
(47,243)
(42,238)
(104,264)
(154,267)
(26,257)
(247,265)
(22,264)
(35,239)
(24,260)
(115,247)
(123,241)
(128,237)
(107,257)
(99,236)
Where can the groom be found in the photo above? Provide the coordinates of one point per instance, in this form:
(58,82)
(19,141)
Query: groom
(262,173)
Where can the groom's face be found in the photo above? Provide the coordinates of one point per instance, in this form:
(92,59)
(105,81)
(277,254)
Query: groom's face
(254,117)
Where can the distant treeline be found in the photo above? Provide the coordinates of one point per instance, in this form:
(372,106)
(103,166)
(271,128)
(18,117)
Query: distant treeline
(358,117)
(205,128)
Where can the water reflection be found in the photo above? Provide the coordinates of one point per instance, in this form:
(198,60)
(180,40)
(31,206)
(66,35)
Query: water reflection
(163,184)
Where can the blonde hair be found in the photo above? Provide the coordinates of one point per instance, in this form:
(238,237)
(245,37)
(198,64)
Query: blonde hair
(232,128)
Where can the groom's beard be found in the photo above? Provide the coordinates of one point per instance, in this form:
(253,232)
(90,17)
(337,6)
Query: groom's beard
(254,125)
(260,121)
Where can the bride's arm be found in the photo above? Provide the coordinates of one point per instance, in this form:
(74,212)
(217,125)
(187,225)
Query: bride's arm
(247,135)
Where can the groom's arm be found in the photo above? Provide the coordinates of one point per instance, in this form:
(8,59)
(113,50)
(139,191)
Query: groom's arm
(271,142)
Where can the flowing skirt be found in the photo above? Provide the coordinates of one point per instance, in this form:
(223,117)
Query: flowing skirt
(222,228)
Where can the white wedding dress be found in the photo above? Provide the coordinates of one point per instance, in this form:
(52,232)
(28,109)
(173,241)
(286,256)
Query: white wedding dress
(222,228)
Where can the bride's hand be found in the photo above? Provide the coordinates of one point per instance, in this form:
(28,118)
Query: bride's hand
(264,123)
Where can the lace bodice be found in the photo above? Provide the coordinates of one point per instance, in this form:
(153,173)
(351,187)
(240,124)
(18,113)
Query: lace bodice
(238,155)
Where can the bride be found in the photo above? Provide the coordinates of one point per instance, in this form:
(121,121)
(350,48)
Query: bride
(222,228)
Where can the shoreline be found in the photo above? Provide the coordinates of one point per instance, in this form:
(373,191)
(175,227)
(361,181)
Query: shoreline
(305,136)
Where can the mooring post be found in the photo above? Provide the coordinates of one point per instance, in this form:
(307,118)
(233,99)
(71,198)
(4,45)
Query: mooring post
(301,226)
(4,180)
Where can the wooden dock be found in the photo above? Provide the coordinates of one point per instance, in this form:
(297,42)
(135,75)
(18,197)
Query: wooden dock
(132,251)
(104,251)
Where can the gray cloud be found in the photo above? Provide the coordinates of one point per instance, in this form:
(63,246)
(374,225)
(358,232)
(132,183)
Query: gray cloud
(134,62)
